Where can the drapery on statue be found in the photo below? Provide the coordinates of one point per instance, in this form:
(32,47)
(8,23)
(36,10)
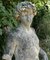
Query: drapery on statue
(23,42)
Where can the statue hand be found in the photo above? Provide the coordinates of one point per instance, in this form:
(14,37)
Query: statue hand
(6,57)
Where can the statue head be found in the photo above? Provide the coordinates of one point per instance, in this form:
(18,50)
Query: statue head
(25,11)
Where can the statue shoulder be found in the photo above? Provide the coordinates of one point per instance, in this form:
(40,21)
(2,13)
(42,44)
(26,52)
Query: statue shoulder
(33,29)
(15,33)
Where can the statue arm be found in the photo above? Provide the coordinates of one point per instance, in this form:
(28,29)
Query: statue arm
(9,48)
(43,54)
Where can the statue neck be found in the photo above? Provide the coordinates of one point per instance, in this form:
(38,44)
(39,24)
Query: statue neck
(26,27)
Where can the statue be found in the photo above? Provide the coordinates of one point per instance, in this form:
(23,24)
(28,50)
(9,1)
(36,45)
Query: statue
(23,42)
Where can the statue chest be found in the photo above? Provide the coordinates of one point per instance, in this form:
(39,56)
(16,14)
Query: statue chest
(29,38)
(28,46)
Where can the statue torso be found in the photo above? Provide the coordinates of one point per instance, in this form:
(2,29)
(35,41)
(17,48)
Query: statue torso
(28,45)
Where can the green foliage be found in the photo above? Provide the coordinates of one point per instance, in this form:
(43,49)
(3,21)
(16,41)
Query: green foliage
(6,19)
(38,22)
(36,1)
(41,21)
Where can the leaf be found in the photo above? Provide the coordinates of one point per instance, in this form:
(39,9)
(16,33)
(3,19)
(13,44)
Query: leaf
(0,31)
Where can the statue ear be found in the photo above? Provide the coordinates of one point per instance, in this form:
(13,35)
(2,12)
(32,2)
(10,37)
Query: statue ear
(17,15)
(34,13)
(34,10)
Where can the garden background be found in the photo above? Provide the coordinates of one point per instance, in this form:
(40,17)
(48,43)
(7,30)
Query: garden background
(41,22)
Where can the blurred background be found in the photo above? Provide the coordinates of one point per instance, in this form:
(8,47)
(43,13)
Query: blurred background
(41,22)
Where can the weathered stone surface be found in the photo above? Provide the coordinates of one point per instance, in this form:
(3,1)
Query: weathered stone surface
(28,45)
(23,41)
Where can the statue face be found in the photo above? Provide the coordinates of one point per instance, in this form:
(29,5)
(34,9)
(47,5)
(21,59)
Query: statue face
(26,15)
(26,12)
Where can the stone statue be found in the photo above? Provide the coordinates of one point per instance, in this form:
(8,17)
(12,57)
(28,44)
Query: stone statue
(23,41)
